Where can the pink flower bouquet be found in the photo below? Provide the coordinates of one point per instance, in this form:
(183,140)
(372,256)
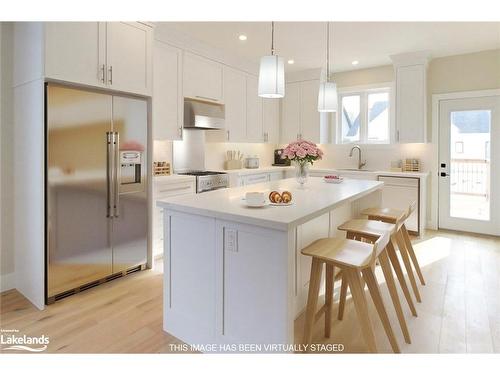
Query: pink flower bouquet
(302,152)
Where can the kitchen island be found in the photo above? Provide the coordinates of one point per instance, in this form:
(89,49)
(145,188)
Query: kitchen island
(234,274)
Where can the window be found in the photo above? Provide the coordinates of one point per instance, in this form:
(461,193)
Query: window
(365,116)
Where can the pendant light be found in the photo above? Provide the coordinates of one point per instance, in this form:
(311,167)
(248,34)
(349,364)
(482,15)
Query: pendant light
(272,73)
(327,97)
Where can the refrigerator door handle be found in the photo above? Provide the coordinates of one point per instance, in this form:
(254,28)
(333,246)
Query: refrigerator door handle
(109,172)
(117,176)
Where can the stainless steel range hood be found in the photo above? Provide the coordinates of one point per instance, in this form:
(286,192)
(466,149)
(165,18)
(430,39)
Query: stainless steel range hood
(203,115)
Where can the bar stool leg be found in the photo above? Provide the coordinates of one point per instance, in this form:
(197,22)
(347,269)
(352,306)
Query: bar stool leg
(359,299)
(389,279)
(330,272)
(343,296)
(407,263)
(312,298)
(413,256)
(391,251)
(372,283)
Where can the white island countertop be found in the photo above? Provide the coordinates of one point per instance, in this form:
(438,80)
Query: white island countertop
(315,199)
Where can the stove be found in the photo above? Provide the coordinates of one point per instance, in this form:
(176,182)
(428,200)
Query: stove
(209,180)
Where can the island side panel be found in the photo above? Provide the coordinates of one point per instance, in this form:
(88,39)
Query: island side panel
(254,285)
(189,277)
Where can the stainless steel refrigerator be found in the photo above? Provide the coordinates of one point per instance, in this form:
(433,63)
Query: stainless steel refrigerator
(96,188)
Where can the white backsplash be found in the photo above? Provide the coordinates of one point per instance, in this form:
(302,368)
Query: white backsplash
(378,157)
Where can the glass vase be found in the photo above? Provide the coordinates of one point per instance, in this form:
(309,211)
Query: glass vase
(302,172)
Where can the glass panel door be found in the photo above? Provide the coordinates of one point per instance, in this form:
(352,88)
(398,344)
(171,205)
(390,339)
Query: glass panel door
(469,158)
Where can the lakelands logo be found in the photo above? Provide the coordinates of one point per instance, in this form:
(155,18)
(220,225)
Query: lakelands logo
(11,340)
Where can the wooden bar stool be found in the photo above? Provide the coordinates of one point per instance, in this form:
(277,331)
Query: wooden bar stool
(370,230)
(402,237)
(353,258)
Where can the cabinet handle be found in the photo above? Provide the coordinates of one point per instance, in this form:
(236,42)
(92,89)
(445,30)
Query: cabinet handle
(206,98)
(227,135)
(110,74)
(103,72)
(266,137)
(179,131)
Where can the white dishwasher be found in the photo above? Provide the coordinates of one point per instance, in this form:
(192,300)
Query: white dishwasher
(400,192)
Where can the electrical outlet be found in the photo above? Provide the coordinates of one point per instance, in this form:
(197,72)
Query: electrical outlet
(230,240)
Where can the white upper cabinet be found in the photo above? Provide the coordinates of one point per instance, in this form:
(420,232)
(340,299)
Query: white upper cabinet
(290,125)
(115,55)
(271,120)
(202,78)
(235,106)
(309,115)
(75,52)
(255,131)
(168,104)
(411,97)
(300,116)
(128,57)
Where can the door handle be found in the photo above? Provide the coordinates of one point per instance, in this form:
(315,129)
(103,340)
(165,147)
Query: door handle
(117,168)
(103,73)
(109,173)
(110,74)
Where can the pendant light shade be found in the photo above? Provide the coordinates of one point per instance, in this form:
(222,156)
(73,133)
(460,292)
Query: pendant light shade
(272,77)
(327,96)
(272,74)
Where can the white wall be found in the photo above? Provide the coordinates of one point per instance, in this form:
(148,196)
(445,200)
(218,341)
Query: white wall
(7,263)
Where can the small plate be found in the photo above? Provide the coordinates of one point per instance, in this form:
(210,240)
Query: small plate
(281,204)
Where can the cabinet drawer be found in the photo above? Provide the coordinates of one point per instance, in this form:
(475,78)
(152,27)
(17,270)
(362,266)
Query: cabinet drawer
(255,178)
(171,190)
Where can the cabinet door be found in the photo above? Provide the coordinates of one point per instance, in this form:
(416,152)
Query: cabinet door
(235,106)
(167,92)
(254,111)
(74,52)
(255,178)
(271,120)
(202,78)
(129,57)
(411,104)
(309,115)
(290,127)
(399,193)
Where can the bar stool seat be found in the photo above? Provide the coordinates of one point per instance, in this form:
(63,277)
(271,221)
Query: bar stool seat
(365,227)
(343,251)
(386,214)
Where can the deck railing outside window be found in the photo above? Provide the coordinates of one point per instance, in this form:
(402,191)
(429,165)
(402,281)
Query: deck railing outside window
(470,177)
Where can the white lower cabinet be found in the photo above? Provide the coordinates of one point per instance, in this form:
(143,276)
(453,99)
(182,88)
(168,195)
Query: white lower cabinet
(166,189)
(399,193)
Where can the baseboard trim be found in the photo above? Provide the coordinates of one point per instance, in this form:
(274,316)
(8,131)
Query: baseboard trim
(7,282)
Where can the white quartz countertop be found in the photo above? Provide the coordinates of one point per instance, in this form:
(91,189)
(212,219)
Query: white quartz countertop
(315,199)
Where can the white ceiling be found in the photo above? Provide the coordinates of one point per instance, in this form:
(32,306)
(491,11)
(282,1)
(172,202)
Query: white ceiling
(370,43)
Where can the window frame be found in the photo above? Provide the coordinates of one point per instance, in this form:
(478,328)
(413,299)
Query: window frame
(363,92)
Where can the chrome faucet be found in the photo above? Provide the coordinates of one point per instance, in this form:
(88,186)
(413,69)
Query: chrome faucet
(360,163)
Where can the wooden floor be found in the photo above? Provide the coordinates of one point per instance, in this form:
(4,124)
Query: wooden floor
(459,313)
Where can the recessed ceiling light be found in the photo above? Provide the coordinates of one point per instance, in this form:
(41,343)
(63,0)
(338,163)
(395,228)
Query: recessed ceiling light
(291,61)
(355,62)
(242,37)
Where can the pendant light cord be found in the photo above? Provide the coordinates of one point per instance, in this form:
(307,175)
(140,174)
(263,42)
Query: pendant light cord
(272,38)
(327,51)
